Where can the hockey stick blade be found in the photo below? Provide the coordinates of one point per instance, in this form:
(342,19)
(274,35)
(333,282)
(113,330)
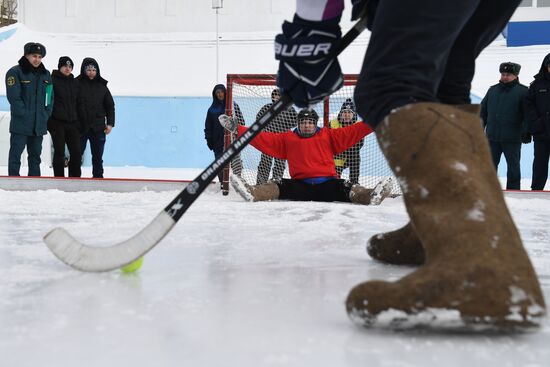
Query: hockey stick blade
(88,258)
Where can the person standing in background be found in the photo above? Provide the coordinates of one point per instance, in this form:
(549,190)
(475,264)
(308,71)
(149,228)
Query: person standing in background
(351,157)
(96,112)
(30,94)
(537,108)
(214,132)
(285,121)
(502,113)
(63,125)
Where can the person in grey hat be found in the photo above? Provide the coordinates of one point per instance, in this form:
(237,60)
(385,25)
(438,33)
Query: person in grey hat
(502,113)
(30,94)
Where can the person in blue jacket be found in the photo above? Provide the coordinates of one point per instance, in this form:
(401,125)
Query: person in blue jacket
(30,94)
(213,131)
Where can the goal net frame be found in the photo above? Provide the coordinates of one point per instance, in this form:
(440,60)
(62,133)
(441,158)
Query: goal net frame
(253,90)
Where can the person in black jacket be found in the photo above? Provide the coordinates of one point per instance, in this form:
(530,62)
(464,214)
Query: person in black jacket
(284,121)
(96,112)
(63,125)
(214,132)
(502,113)
(537,108)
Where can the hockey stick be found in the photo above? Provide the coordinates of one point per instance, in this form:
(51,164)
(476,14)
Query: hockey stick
(98,259)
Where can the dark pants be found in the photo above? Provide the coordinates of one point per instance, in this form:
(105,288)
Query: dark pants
(65,133)
(34,149)
(332,190)
(264,168)
(352,159)
(425,52)
(540,164)
(97,145)
(512,154)
(218,154)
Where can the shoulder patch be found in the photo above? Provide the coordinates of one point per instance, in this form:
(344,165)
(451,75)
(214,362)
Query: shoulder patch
(10,81)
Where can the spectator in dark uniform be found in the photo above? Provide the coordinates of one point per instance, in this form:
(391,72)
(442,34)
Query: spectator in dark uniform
(504,122)
(213,132)
(63,125)
(284,121)
(537,105)
(96,112)
(29,92)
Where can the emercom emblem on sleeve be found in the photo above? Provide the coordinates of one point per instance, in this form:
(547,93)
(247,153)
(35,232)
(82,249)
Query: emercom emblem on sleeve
(10,81)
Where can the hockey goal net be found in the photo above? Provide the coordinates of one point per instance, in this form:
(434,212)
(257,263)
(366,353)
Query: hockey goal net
(249,95)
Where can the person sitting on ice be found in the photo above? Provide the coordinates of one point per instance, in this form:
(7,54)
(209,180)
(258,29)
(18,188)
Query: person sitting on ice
(309,151)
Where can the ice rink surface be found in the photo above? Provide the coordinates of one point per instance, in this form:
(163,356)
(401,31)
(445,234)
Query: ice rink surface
(234,284)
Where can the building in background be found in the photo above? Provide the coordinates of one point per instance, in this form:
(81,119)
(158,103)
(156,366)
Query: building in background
(530,24)
(146,16)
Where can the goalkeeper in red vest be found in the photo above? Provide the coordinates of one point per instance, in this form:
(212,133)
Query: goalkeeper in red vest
(310,152)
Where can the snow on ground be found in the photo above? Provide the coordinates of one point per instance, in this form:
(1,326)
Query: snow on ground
(234,284)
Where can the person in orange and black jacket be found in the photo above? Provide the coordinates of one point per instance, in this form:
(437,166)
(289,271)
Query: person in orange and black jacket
(96,112)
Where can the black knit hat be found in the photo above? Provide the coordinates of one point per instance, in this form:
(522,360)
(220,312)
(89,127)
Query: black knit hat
(348,105)
(65,61)
(275,92)
(510,67)
(34,48)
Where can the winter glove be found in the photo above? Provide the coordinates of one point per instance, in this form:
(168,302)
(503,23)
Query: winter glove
(308,68)
(525,138)
(364,8)
(228,123)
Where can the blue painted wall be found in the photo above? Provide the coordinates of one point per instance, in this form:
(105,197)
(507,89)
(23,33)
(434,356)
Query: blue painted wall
(528,33)
(155,132)
(169,132)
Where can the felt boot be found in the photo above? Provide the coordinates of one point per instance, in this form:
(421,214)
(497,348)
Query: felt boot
(264,192)
(399,247)
(361,195)
(476,275)
(402,246)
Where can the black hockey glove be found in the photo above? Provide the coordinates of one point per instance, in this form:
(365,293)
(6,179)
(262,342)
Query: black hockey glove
(308,68)
(210,145)
(364,8)
(525,138)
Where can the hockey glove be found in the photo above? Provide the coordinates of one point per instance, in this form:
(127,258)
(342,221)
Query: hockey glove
(228,123)
(525,138)
(364,8)
(308,67)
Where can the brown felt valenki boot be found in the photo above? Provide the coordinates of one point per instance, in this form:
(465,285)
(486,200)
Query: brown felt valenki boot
(264,192)
(476,275)
(402,246)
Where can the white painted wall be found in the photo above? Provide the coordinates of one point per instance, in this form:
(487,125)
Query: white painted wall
(156,16)
(152,16)
(530,14)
